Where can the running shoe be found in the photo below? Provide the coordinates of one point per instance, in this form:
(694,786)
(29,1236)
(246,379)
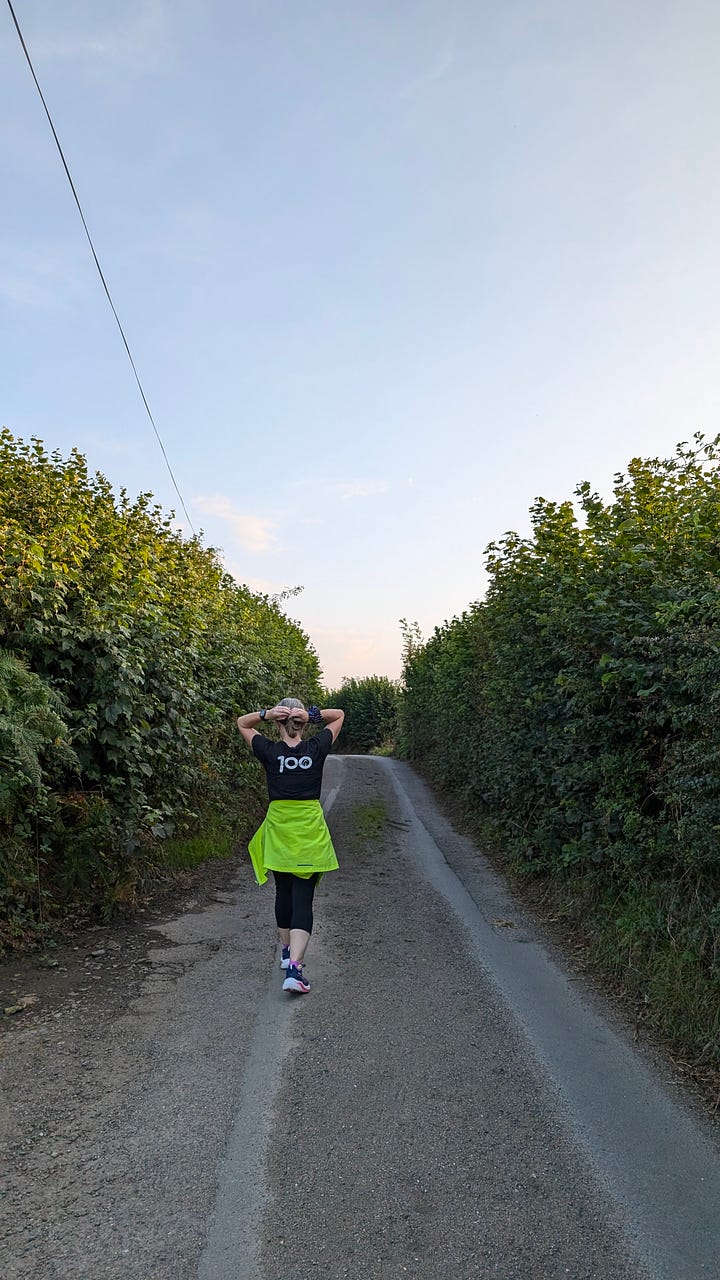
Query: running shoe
(285,958)
(295,980)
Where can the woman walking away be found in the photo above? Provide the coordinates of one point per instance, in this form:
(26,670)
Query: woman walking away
(293,841)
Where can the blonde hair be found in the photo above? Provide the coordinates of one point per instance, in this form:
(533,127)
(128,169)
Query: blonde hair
(293,704)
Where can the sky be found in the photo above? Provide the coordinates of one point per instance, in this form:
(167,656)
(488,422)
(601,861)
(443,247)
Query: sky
(389,270)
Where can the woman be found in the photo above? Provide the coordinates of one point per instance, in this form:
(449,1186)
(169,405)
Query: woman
(293,841)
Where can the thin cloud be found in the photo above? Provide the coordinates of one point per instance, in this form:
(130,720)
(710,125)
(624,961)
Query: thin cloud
(440,68)
(346,652)
(254,533)
(194,233)
(443,64)
(41,276)
(138,44)
(349,489)
(261,586)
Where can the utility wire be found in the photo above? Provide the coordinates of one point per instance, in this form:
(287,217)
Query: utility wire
(97,263)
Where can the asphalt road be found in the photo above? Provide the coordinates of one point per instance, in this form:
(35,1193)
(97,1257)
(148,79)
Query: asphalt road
(445,1104)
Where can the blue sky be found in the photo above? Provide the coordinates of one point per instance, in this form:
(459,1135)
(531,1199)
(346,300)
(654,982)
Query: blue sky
(389,270)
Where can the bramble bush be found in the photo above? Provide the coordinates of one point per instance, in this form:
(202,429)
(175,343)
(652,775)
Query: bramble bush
(146,650)
(579,709)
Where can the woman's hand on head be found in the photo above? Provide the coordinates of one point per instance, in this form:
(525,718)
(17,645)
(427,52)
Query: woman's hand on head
(281,715)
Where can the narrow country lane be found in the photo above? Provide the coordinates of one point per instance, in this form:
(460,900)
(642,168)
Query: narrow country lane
(445,1104)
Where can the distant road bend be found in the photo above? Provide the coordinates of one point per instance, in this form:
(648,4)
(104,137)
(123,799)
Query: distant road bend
(445,1104)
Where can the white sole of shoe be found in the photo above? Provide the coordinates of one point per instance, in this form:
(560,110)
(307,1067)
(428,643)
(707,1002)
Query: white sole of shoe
(292,984)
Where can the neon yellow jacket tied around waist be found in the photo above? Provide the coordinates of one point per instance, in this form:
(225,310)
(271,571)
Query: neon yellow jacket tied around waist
(294,837)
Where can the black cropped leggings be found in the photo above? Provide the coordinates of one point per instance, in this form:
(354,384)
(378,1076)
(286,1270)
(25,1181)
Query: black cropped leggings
(294,900)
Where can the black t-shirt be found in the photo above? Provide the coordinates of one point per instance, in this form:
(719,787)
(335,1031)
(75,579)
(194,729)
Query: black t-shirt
(294,773)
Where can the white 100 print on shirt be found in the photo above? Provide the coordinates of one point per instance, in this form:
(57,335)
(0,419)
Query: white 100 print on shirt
(292,762)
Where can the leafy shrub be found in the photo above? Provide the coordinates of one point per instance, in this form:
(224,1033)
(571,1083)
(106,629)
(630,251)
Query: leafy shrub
(35,753)
(32,732)
(574,712)
(153,649)
(371,706)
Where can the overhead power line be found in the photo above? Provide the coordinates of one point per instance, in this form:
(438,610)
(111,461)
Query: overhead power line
(97,263)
